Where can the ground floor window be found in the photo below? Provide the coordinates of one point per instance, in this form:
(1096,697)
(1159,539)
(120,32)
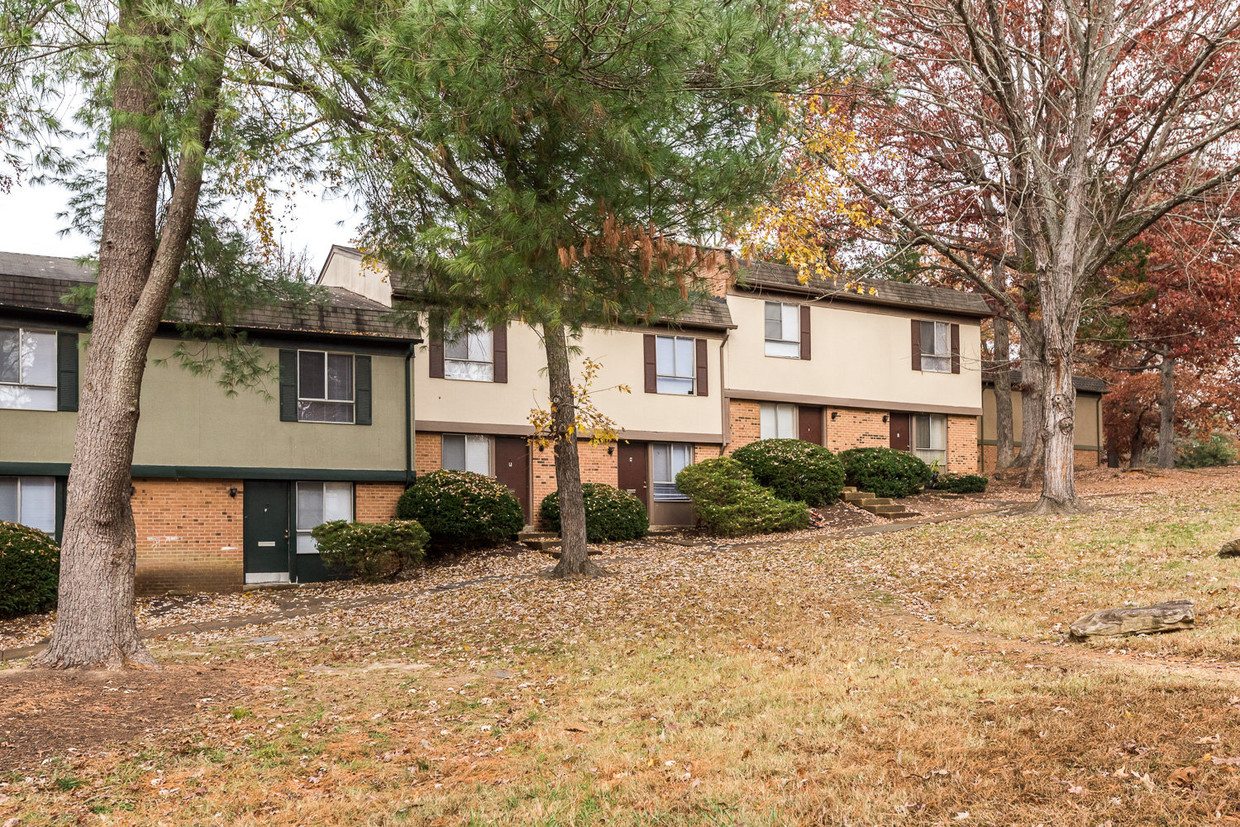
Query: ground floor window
(318,503)
(778,421)
(30,501)
(467,453)
(930,438)
(669,459)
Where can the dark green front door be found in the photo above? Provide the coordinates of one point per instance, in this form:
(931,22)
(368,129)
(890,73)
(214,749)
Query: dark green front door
(266,532)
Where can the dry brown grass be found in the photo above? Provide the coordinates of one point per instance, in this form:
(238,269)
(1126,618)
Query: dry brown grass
(793,683)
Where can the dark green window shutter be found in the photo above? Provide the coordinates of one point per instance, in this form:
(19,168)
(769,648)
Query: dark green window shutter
(288,386)
(66,371)
(361,399)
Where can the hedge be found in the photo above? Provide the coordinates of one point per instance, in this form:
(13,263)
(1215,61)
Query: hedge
(729,501)
(612,515)
(794,470)
(961,483)
(885,472)
(371,551)
(461,509)
(29,570)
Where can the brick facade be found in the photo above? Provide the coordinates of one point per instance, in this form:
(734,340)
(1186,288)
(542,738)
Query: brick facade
(745,421)
(856,428)
(375,502)
(961,444)
(189,535)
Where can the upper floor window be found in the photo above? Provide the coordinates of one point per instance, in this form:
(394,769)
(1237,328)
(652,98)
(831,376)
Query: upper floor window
(674,365)
(930,437)
(30,501)
(469,356)
(669,459)
(318,503)
(325,386)
(936,352)
(783,330)
(467,453)
(777,420)
(27,369)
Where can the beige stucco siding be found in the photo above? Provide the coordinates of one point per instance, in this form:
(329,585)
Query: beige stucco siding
(1088,435)
(188,420)
(857,356)
(348,270)
(485,405)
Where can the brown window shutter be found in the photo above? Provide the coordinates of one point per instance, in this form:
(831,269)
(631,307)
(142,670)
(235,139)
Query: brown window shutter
(499,351)
(652,368)
(702,386)
(805,331)
(435,347)
(916,345)
(955,348)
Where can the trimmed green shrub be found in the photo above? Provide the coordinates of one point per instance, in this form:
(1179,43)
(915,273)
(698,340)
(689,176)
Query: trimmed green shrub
(371,551)
(961,483)
(729,501)
(461,509)
(885,472)
(612,515)
(1212,451)
(794,470)
(29,570)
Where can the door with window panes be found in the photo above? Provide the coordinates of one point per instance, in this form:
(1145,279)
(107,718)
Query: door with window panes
(667,505)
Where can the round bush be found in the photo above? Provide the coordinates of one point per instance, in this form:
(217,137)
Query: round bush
(794,470)
(461,509)
(885,472)
(29,570)
(371,551)
(729,501)
(612,515)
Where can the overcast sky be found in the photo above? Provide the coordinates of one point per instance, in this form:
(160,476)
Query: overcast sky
(28,224)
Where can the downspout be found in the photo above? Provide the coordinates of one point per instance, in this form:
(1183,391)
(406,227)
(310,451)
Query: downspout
(409,417)
(723,395)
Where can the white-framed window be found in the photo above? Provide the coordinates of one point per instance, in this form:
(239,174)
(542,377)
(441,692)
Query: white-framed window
(469,356)
(674,365)
(27,369)
(30,501)
(936,347)
(783,330)
(777,420)
(325,386)
(467,452)
(669,459)
(930,437)
(318,503)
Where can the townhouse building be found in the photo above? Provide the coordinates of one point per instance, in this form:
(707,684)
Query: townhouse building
(225,487)
(1088,449)
(765,356)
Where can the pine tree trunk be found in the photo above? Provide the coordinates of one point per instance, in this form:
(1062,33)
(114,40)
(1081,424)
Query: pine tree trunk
(1005,450)
(1166,412)
(95,625)
(574,558)
(1059,404)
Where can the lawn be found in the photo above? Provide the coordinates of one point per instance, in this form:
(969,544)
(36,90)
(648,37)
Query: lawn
(918,677)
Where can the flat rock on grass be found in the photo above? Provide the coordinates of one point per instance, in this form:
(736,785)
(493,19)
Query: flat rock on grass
(1170,616)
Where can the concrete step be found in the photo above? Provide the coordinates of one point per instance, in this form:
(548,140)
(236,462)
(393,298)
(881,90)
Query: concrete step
(849,489)
(857,496)
(539,540)
(893,510)
(873,501)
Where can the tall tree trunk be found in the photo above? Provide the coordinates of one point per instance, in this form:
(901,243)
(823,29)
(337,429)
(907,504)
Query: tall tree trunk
(1032,411)
(1005,451)
(1136,459)
(574,558)
(95,625)
(1166,412)
(1059,403)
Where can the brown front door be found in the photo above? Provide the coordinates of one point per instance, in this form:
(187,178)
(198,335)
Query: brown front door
(512,468)
(633,474)
(900,431)
(809,424)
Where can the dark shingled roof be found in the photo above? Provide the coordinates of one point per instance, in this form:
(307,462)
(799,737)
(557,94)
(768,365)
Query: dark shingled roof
(1088,384)
(781,277)
(38,283)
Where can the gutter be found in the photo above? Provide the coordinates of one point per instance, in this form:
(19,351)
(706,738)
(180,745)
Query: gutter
(409,476)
